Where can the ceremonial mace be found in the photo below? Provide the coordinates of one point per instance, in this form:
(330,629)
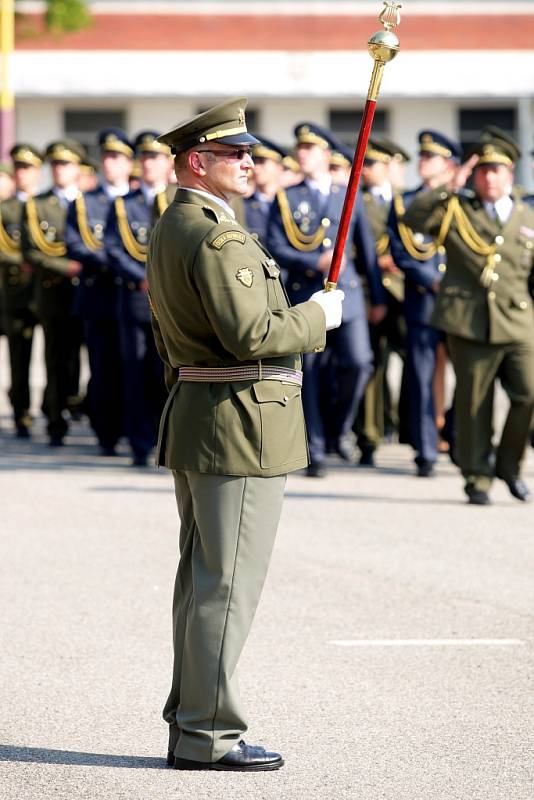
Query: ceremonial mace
(383,47)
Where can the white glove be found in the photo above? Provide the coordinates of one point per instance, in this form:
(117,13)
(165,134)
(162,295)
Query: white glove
(330,302)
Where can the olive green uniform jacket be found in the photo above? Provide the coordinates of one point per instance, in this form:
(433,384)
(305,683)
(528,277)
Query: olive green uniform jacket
(217,301)
(42,246)
(378,219)
(19,285)
(501,312)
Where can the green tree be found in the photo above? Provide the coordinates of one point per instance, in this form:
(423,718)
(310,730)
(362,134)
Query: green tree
(67,15)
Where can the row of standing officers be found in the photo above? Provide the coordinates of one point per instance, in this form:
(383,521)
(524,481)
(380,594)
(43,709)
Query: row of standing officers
(76,263)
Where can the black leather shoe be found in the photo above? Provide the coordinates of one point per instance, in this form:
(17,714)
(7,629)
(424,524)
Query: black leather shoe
(241,758)
(425,469)
(23,431)
(477,497)
(56,441)
(518,489)
(367,458)
(316,469)
(139,460)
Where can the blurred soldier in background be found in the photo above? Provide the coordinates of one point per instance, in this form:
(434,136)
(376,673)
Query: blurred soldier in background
(44,248)
(7,181)
(88,174)
(341,164)
(485,308)
(97,296)
(19,283)
(126,239)
(377,414)
(268,170)
(423,262)
(302,228)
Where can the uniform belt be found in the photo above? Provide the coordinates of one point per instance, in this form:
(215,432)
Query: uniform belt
(251,372)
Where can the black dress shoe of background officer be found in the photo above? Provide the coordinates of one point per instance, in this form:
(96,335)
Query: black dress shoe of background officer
(518,488)
(241,758)
(316,469)
(477,497)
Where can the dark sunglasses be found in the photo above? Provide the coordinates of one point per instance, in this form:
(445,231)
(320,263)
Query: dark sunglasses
(239,153)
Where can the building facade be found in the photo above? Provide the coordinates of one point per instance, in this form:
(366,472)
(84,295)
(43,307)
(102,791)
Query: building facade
(151,64)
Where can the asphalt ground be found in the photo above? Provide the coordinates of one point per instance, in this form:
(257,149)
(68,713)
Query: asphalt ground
(392,655)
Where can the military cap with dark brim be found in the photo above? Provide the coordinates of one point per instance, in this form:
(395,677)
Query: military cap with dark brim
(66,150)
(437,144)
(224,124)
(114,140)
(268,149)
(496,147)
(22,153)
(342,156)
(150,142)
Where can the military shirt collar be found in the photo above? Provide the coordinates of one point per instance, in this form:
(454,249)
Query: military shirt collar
(115,191)
(224,205)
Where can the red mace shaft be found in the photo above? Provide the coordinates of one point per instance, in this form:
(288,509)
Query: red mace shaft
(383,47)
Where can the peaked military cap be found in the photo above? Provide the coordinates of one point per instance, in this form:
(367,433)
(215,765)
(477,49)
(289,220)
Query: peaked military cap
(436,144)
(22,153)
(113,140)
(224,124)
(496,147)
(310,133)
(266,148)
(136,171)
(150,142)
(342,156)
(290,162)
(89,166)
(66,150)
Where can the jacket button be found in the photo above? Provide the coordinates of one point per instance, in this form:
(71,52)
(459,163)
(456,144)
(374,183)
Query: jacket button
(325,222)
(495,276)
(442,268)
(497,258)
(285,398)
(499,239)
(491,296)
(523,304)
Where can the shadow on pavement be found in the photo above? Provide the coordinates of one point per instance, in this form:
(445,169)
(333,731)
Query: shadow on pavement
(373,498)
(42,755)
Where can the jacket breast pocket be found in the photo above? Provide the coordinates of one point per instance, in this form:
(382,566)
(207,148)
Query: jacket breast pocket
(283,437)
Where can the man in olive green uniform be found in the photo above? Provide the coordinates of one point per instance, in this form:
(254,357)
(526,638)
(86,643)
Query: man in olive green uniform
(43,247)
(377,414)
(232,427)
(19,284)
(485,308)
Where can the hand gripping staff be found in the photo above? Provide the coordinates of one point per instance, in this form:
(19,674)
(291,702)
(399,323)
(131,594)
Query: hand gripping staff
(383,47)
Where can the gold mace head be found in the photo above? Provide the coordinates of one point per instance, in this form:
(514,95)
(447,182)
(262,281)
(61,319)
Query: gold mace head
(384,45)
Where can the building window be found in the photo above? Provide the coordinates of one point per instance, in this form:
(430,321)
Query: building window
(84,126)
(345,124)
(472,120)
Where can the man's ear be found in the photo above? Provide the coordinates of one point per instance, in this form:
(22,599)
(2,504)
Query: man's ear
(195,163)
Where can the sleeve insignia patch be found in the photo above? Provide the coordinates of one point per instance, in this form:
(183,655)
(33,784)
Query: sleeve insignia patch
(228,236)
(245,276)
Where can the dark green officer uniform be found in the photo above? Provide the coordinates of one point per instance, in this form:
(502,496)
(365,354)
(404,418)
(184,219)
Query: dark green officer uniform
(43,224)
(485,308)
(377,411)
(19,294)
(232,428)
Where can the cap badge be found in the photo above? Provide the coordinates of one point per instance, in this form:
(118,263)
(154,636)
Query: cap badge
(241,116)
(427,139)
(245,276)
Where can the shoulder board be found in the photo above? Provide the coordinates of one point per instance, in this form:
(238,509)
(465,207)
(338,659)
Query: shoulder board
(228,236)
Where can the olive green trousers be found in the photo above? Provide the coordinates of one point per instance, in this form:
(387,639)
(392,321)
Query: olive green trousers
(477,366)
(228,527)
